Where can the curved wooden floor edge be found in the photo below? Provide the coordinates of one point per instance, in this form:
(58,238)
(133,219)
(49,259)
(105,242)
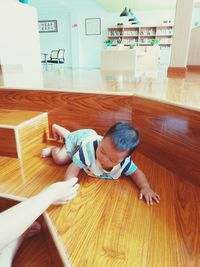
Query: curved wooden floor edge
(170,134)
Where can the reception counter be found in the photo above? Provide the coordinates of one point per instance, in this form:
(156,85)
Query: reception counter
(139,58)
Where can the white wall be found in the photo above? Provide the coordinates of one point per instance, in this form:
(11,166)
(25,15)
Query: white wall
(91,46)
(194,52)
(153,17)
(57,40)
(83,50)
(19,45)
(196,17)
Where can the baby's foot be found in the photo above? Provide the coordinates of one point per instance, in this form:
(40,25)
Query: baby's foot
(46,152)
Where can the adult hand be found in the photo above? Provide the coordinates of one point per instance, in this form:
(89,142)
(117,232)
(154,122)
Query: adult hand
(64,191)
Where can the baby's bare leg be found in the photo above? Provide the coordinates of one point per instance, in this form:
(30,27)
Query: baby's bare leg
(59,131)
(60,155)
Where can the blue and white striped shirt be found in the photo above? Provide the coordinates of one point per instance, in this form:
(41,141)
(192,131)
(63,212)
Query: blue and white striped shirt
(85,158)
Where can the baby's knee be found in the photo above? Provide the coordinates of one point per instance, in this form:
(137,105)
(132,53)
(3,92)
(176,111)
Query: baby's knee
(54,126)
(58,157)
(58,160)
(55,155)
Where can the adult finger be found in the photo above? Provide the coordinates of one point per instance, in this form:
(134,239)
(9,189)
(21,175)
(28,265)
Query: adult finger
(72,181)
(67,198)
(72,190)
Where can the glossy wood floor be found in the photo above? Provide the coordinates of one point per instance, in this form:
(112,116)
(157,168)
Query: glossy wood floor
(106,225)
(151,84)
(44,249)
(37,243)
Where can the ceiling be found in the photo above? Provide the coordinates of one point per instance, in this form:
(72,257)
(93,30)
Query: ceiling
(108,5)
(118,5)
(63,4)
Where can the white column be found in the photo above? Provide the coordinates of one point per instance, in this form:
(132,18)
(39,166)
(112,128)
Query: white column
(181,38)
(19,46)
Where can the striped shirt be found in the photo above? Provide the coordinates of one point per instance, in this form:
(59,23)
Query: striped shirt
(85,158)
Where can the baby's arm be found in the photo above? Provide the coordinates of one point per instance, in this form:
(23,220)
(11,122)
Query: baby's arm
(140,180)
(59,131)
(72,171)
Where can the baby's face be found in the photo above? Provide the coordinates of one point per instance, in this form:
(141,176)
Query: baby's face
(108,155)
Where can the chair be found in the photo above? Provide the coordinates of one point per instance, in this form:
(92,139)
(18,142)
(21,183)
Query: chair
(57,56)
(61,55)
(44,58)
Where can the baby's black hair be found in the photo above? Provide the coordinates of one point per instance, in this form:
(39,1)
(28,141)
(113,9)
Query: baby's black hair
(124,136)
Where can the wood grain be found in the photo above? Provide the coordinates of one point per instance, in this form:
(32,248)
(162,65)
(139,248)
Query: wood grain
(106,224)
(25,256)
(33,135)
(176,72)
(14,117)
(193,68)
(8,143)
(122,231)
(19,129)
(170,134)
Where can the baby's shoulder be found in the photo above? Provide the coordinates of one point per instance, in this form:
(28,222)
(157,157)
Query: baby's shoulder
(94,138)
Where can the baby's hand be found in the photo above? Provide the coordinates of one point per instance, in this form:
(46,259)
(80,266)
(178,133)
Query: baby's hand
(149,195)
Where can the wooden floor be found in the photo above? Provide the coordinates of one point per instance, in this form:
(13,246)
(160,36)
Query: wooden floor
(106,225)
(40,257)
(44,249)
(151,84)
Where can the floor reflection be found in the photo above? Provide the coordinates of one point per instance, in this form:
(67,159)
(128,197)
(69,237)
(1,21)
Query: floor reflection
(21,76)
(156,85)
(152,84)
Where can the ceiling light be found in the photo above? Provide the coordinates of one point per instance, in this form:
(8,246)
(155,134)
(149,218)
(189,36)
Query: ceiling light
(125,13)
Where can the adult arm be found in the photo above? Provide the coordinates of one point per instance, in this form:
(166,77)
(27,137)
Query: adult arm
(16,220)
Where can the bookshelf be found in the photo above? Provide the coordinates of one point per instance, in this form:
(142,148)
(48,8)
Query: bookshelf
(142,35)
